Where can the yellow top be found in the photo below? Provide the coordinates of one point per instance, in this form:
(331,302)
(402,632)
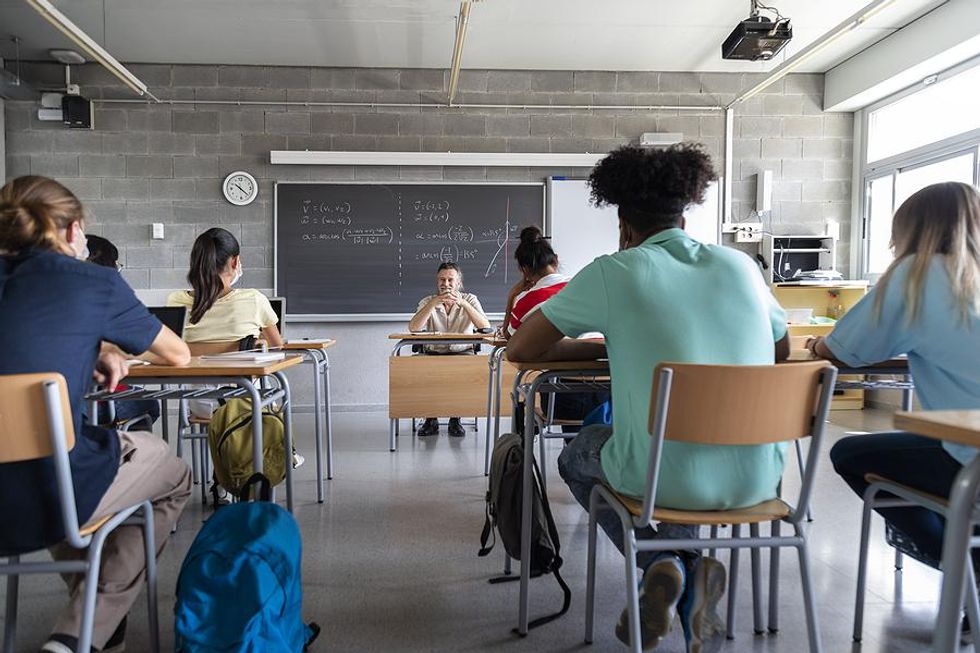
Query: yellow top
(238,314)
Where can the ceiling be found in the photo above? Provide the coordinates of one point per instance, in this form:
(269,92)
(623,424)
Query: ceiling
(662,35)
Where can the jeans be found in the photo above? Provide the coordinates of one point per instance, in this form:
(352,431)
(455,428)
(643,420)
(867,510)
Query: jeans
(912,460)
(580,466)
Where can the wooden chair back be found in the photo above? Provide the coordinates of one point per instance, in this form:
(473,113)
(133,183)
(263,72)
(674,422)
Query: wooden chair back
(739,404)
(25,433)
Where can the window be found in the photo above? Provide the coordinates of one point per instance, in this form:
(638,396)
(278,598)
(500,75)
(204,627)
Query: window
(916,138)
(943,109)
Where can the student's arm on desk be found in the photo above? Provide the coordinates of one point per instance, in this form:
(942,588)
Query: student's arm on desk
(272,336)
(539,340)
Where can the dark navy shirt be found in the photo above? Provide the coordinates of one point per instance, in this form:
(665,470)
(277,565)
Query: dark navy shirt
(54,313)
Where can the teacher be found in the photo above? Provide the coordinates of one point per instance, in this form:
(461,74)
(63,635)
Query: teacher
(450,310)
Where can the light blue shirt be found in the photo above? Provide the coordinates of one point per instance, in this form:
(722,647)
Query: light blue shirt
(675,299)
(943,349)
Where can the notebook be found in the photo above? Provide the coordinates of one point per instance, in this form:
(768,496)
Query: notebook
(246,356)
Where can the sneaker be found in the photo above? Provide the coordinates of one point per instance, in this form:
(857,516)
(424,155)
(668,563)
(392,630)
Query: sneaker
(429,427)
(662,587)
(59,643)
(698,610)
(456,429)
(298,459)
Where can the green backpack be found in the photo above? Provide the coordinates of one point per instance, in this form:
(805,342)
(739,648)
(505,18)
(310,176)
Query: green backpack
(230,441)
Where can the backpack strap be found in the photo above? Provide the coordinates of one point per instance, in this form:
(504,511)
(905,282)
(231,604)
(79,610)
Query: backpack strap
(265,488)
(489,530)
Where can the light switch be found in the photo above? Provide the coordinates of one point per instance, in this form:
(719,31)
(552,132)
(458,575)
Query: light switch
(157,231)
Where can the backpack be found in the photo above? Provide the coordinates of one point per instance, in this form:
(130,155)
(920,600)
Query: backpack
(230,442)
(504,500)
(239,588)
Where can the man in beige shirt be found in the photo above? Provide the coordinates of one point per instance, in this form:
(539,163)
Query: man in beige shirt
(448,311)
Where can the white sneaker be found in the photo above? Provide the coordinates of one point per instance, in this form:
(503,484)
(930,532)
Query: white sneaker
(298,460)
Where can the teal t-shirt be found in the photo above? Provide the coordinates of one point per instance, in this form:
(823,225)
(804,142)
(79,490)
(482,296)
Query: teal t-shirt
(943,348)
(674,299)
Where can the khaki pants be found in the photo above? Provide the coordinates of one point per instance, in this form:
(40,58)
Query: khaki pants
(147,471)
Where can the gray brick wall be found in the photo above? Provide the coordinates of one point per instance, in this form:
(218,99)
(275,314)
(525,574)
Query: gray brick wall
(165,163)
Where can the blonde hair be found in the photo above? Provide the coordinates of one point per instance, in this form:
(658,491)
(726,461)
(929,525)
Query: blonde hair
(33,211)
(944,220)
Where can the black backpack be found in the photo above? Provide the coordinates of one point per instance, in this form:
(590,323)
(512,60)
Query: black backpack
(504,498)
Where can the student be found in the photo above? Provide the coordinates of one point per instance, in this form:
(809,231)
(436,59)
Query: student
(926,305)
(663,297)
(450,310)
(102,252)
(58,309)
(540,281)
(216,312)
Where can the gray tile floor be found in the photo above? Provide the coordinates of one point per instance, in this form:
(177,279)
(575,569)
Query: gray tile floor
(390,560)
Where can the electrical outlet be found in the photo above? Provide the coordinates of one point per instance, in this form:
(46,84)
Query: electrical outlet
(748,232)
(157,231)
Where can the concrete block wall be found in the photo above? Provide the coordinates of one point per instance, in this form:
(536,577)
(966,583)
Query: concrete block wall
(164,163)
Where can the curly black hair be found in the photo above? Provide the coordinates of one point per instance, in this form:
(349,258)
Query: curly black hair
(652,188)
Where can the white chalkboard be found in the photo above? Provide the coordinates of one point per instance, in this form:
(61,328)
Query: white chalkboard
(580,232)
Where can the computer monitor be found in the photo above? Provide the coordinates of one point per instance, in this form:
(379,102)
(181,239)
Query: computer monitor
(173,317)
(279,306)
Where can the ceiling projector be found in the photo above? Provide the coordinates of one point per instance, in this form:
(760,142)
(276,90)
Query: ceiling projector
(757,38)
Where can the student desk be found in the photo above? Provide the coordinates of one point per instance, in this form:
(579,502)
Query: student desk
(872,375)
(554,377)
(961,427)
(433,385)
(237,374)
(316,352)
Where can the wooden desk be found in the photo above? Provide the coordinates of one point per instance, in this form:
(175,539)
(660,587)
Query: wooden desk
(857,379)
(238,374)
(438,385)
(316,352)
(961,427)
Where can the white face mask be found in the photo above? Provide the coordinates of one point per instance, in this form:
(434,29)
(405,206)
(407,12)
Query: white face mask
(238,275)
(80,245)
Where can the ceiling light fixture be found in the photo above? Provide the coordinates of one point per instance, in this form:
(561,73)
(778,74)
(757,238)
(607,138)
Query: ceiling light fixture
(90,47)
(462,22)
(804,55)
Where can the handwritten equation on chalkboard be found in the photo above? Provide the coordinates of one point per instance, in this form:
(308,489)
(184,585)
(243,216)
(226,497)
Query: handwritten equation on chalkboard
(378,245)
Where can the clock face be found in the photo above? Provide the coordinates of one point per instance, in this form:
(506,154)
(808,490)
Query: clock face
(240,188)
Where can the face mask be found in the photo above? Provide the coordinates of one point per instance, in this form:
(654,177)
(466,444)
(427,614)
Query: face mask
(238,275)
(80,238)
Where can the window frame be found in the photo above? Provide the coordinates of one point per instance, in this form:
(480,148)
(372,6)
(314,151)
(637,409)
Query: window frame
(865,172)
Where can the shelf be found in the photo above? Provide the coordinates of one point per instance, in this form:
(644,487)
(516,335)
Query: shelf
(800,250)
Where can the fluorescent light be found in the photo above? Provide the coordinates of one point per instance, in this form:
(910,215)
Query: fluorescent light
(489,159)
(461,23)
(808,52)
(90,47)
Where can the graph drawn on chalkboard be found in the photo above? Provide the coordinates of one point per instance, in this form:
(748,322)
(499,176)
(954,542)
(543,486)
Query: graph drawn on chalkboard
(369,251)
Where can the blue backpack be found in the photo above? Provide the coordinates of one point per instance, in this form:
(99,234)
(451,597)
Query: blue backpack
(239,587)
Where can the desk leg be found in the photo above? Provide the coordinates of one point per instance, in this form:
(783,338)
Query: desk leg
(490,380)
(500,399)
(329,413)
(526,509)
(257,441)
(907,395)
(317,424)
(956,546)
(391,434)
(287,416)
(164,418)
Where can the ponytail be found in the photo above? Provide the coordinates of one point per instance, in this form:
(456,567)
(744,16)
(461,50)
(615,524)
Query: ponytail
(33,211)
(534,253)
(209,256)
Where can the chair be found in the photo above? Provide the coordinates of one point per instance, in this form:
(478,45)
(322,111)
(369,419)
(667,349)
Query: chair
(903,496)
(35,422)
(723,405)
(279,308)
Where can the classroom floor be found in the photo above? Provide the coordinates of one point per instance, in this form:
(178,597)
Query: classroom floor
(390,564)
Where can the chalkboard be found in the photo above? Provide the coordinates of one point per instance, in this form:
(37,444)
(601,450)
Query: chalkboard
(361,251)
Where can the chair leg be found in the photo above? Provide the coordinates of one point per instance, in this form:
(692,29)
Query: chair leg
(149,545)
(774,581)
(862,577)
(732,583)
(972,604)
(713,536)
(809,603)
(10,618)
(799,462)
(195,468)
(632,590)
(590,575)
(755,555)
(199,451)
(541,459)
(899,565)
(89,591)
